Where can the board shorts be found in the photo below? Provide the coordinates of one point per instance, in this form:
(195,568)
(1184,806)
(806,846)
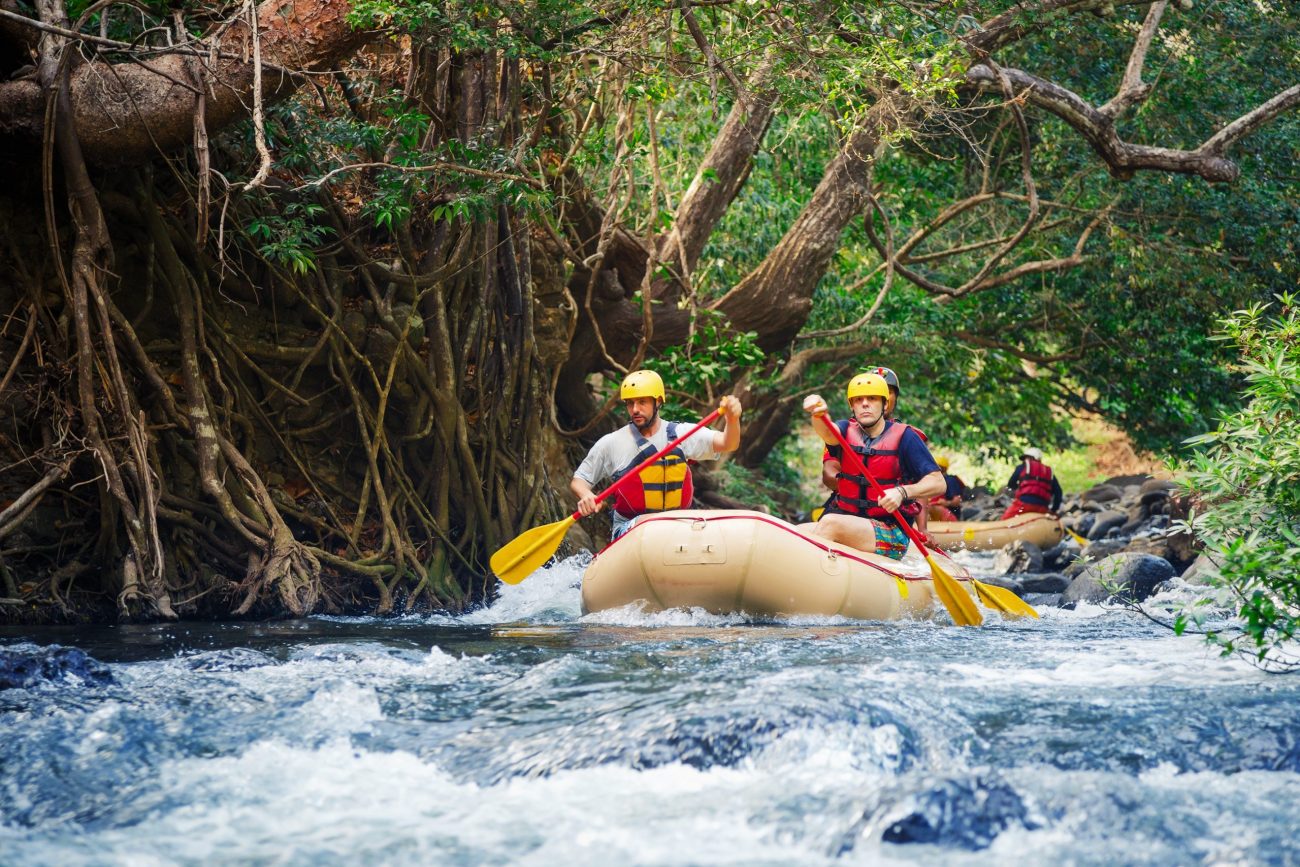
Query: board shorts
(891,540)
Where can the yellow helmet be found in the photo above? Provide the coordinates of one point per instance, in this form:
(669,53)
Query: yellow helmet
(867,385)
(942,461)
(642,383)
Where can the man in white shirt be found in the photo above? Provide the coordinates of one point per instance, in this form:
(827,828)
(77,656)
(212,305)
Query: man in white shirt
(665,484)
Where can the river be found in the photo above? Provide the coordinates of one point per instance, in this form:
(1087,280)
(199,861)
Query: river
(525,733)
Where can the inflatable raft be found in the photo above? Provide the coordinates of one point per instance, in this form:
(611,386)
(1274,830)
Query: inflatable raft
(1040,528)
(748,562)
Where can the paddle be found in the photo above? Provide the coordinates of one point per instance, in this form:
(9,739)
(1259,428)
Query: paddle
(530,550)
(954,598)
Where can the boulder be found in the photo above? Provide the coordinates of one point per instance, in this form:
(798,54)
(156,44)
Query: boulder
(1132,525)
(25,668)
(1081,524)
(1095,551)
(580,539)
(1135,479)
(1125,576)
(1105,522)
(1048,582)
(1173,547)
(960,814)
(1062,554)
(1044,600)
(1018,556)
(1102,493)
(1203,571)
(1156,490)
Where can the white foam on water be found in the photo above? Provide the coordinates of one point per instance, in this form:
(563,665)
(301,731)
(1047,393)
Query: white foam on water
(1119,662)
(634,614)
(551,594)
(279,803)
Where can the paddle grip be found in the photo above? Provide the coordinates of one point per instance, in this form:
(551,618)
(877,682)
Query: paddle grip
(636,471)
(846,450)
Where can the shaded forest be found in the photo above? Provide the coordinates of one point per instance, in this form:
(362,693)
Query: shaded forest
(312,305)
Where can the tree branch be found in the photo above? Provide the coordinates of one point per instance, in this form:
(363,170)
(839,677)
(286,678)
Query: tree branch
(707,50)
(1122,158)
(1132,89)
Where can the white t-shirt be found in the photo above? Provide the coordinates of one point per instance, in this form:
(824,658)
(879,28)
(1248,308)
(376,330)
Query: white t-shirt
(616,450)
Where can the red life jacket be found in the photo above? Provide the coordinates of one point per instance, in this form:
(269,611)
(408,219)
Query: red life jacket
(826,453)
(665,484)
(1035,481)
(853,494)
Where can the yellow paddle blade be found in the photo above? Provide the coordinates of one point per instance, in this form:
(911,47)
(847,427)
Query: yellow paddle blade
(529,551)
(1004,600)
(954,598)
(1082,541)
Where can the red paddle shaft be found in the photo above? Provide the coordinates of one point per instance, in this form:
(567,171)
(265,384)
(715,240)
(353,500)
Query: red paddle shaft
(846,450)
(627,477)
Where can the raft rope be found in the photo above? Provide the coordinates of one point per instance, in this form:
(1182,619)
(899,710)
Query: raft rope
(900,578)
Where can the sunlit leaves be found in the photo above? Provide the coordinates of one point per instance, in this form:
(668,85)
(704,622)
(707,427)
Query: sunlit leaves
(1246,475)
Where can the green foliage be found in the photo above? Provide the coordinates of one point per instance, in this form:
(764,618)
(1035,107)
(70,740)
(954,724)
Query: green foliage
(709,358)
(290,238)
(756,489)
(1246,473)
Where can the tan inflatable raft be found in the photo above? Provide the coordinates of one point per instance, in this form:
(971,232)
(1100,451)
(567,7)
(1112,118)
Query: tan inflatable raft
(747,562)
(1037,527)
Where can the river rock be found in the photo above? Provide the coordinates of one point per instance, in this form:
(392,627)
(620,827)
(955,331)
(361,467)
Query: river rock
(579,539)
(24,668)
(1099,550)
(1132,577)
(1105,522)
(1044,600)
(1062,554)
(1203,571)
(1155,491)
(1133,480)
(1174,547)
(1048,582)
(964,814)
(380,346)
(1006,582)
(1102,493)
(1081,523)
(1018,556)
(353,324)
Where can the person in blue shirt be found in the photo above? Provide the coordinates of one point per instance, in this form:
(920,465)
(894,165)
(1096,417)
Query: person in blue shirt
(947,506)
(896,457)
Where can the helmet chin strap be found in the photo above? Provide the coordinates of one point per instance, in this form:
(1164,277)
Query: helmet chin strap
(866,428)
(650,422)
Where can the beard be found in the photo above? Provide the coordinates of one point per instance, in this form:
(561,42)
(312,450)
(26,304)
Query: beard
(648,422)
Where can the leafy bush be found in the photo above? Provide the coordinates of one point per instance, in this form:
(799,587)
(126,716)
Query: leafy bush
(1246,476)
